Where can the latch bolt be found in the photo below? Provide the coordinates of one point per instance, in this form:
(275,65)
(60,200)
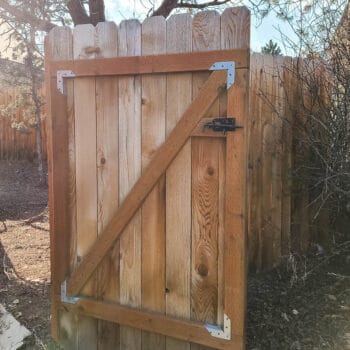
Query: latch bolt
(222,124)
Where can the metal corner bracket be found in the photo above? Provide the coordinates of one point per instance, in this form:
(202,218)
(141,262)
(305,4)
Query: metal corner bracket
(218,332)
(61,75)
(64,297)
(230,66)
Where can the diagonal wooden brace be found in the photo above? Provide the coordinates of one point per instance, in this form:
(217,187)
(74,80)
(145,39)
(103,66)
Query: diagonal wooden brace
(160,162)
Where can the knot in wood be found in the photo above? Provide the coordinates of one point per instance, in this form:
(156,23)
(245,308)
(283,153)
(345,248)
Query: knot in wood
(210,170)
(203,270)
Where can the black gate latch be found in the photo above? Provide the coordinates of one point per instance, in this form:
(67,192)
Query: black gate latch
(222,124)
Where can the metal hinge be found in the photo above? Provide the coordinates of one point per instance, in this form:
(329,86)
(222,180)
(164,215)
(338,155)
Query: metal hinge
(61,75)
(222,124)
(64,297)
(218,332)
(230,67)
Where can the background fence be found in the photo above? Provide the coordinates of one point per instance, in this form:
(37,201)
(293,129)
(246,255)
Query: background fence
(13,143)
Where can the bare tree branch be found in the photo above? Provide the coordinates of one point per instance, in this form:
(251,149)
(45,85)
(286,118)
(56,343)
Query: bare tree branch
(26,17)
(167,6)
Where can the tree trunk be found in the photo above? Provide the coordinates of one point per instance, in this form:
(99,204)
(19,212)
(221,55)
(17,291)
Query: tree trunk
(37,105)
(77,12)
(97,11)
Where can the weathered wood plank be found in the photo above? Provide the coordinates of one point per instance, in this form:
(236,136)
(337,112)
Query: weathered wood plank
(205,223)
(129,173)
(276,179)
(58,46)
(151,64)
(107,178)
(287,138)
(153,209)
(204,286)
(154,322)
(86,174)
(235,32)
(178,184)
(267,230)
(235,235)
(144,185)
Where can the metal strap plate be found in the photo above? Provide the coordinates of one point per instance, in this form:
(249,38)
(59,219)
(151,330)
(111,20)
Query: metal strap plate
(230,66)
(61,75)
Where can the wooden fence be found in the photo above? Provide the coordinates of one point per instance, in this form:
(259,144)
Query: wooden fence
(147,205)
(16,144)
(270,161)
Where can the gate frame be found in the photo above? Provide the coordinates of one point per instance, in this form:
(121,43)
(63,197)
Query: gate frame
(235,237)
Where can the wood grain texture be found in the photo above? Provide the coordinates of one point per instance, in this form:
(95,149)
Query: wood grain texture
(287,133)
(205,222)
(235,235)
(58,46)
(255,164)
(153,209)
(129,172)
(107,274)
(151,64)
(178,184)
(161,160)
(153,322)
(234,34)
(277,159)
(204,288)
(86,174)
(235,264)
(69,322)
(268,230)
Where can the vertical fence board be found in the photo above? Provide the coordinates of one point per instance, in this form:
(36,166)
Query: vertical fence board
(86,174)
(287,133)
(58,46)
(235,32)
(277,159)
(129,171)
(153,208)
(178,184)
(204,264)
(108,178)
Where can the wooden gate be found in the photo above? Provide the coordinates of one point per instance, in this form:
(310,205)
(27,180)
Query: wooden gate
(147,200)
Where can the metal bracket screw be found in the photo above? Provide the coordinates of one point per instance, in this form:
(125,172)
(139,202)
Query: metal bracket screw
(230,66)
(218,332)
(61,75)
(64,297)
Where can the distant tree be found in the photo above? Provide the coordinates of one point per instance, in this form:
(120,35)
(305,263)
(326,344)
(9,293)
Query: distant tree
(271,48)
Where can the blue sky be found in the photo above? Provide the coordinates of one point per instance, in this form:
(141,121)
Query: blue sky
(262,32)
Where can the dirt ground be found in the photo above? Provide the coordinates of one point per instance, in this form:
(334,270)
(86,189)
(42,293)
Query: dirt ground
(303,304)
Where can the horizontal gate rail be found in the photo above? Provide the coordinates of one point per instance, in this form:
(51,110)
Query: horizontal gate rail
(160,162)
(154,322)
(171,63)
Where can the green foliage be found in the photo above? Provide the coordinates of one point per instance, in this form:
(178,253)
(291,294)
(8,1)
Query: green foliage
(272,49)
